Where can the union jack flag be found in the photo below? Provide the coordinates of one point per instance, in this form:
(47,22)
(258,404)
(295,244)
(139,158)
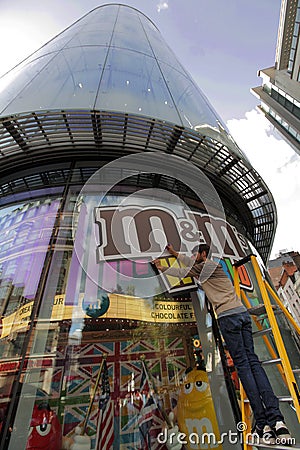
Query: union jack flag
(147,411)
(105,426)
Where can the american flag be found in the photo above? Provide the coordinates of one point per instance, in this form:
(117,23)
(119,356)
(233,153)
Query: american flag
(105,426)
(147,411)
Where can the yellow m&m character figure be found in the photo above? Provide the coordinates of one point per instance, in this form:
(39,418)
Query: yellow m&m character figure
(196,415)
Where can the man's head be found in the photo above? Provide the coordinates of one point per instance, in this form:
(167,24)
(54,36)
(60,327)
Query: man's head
(200,252)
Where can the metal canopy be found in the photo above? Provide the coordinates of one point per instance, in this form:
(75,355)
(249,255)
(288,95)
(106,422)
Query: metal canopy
(48,137)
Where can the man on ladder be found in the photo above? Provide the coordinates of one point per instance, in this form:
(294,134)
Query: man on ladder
(236,327)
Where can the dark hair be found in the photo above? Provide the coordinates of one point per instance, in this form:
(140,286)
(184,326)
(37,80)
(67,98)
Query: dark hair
(201,248)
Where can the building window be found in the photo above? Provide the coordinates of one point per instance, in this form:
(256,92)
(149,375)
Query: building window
(288,128)
(294,42)
(286,103)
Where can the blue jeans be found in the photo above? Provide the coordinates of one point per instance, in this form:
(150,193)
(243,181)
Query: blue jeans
(237,333)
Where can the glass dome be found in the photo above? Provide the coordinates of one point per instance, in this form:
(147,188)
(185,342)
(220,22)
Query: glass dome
(113,59)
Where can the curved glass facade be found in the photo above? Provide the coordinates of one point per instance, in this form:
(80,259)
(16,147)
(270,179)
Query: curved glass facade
(63,313)
(109,80)
(125,66)
(96,348)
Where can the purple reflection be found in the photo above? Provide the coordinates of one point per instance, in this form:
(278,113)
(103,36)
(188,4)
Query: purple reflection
(22,274)
(91,287)
(110,277)
(72,290)
(25,235)
(126,268)
(34,275)
(142,267)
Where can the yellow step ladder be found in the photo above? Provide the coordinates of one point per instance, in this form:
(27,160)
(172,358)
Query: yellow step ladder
(281,359)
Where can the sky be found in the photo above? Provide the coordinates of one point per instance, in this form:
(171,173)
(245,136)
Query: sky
(222,44)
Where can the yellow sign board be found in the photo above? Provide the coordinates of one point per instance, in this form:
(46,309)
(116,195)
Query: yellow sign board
(119,307)
(174,283)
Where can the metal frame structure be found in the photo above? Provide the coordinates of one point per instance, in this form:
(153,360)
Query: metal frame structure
(34,139)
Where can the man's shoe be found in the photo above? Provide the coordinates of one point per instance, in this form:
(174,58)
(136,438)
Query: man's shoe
(282,433)
(264,436)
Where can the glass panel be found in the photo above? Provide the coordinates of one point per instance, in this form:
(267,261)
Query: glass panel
(281,99)
(75,331)
(25,232)
(105,14)
(294,42)
(90,31)
(191,103)
(160,49)
(296,112)
(129,33)
(70,81)
(12,84)
(289,105)
(120,324)
(132,82)
(92,37)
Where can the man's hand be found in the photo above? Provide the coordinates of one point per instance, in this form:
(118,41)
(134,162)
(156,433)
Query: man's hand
(158,265)
(171,250)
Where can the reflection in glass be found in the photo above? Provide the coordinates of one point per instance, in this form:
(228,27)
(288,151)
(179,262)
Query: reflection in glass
(112,59)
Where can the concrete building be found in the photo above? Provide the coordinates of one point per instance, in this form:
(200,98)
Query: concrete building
(286,281)
(280,90)
(289,295)
(285,275)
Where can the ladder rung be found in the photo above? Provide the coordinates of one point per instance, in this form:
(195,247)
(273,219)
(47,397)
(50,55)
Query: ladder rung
(285,398)
(260,309)
(243,261)
(271,361)
(262,332)
(296,370)
(265,316)
(281,398)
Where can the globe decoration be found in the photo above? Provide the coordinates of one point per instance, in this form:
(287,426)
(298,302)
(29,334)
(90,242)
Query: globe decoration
(97,308)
